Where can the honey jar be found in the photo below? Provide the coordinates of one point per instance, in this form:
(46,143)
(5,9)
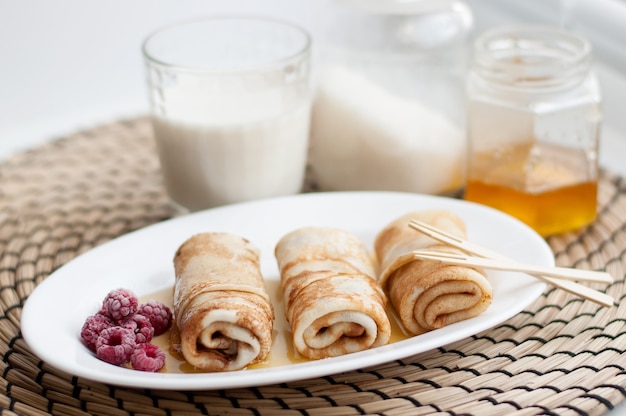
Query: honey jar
(533,125)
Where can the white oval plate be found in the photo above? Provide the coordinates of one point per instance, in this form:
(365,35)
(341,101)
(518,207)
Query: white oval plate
(142,261)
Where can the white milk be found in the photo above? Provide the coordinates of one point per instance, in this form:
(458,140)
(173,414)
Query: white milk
(206,165)
(365,138)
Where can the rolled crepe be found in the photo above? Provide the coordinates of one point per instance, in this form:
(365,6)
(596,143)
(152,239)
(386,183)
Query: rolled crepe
(222,311)
(425,294)
(332,300)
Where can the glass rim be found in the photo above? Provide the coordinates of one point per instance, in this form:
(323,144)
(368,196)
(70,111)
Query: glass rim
(302,51)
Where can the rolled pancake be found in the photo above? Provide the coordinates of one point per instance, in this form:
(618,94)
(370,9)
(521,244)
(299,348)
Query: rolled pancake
(222,311)
(332,300)
(425,294)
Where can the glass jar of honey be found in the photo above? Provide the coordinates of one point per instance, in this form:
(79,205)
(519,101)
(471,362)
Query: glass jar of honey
(533,124)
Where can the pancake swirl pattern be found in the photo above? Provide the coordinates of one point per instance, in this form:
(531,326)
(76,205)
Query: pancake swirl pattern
(332,300)
(222,312)
(428,295)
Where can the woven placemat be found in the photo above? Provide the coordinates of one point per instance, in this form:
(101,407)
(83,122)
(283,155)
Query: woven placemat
(561,355)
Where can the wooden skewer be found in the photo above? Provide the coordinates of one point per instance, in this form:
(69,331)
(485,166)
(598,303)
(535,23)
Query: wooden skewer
(477,250)
(513,266)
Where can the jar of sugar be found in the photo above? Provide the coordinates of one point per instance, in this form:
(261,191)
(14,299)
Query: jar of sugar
(388,112)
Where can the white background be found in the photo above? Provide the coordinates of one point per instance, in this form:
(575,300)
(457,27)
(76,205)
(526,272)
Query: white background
(66,65)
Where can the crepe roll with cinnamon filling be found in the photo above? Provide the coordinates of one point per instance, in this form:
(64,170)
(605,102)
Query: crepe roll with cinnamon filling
(223,314)
(332,300)
(426,294)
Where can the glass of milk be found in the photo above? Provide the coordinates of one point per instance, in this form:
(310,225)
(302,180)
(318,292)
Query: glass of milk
(230,100)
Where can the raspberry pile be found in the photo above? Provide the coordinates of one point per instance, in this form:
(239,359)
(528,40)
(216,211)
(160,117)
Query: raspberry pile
(121,331)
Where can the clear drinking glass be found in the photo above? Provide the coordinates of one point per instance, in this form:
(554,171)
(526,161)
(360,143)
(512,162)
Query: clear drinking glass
(230,101)
(533,121)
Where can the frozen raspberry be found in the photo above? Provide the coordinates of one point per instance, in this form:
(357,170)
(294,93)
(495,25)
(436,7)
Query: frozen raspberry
(141,326)
(92,327)
(159,315)
(115,345)
(119,304)
(147,357)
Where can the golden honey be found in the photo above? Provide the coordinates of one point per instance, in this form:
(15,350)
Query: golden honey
(551,188)
(547,212)
(545,186)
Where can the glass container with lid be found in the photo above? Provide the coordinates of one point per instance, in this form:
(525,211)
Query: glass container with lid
(389,106)
(533,126)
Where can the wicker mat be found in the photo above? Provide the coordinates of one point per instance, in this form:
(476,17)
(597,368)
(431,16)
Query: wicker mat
(561,355)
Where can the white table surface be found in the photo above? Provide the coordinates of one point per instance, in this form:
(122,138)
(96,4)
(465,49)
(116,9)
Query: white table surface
(66,65)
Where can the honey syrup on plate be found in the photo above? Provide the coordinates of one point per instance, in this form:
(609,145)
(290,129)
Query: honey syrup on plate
(282,352)
(546,186)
